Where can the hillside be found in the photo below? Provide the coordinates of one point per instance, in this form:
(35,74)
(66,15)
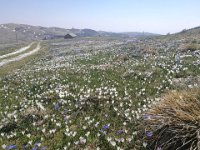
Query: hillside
(100,93)
(128,34)
(14,33)
(21,32)
(181,42)
(84,32)
(185,35)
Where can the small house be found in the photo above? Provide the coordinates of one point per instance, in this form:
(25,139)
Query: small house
(69,36)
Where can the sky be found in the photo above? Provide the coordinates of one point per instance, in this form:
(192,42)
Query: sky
(156,16)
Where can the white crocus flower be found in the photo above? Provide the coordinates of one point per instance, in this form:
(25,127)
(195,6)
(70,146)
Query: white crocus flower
(113,143)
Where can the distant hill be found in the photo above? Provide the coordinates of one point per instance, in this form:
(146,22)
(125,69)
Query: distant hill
(186,35)
(190,34)
(195,30)
(12,33)
(183,41)
(128,34)
(84,32)
(20,32)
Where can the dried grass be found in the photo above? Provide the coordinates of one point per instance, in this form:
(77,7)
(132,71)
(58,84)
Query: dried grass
(174,122)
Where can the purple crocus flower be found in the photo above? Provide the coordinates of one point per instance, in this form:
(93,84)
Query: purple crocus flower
(149,134)
(25,146)
(36,144)
(34,148)
(119,132)
(147,117)
(43,148)
(105,127)
(11,147)
(56,106)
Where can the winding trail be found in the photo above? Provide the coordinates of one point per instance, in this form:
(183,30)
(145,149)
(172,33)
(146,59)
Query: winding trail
(17,58)
(17,52)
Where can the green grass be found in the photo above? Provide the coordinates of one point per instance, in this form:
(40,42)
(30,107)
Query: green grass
(31,48)
(11,49)
(93,91)
(13,66)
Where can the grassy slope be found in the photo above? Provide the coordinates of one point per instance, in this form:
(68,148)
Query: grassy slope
(93,91)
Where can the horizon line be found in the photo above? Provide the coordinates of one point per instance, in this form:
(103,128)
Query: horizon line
(98,30)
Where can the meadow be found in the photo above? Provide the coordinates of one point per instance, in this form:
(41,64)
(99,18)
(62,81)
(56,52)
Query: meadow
(90,93)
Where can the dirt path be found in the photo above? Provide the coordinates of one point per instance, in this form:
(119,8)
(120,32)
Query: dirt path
(17,58)
(17,52)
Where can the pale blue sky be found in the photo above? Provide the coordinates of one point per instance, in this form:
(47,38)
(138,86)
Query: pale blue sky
(158,16)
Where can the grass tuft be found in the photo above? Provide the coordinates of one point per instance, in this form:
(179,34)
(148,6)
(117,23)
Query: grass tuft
(174,122)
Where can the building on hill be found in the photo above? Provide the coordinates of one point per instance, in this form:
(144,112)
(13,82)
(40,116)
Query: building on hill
(69,36)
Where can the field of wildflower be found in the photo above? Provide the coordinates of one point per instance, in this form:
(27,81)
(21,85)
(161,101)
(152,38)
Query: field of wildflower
(91,93)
